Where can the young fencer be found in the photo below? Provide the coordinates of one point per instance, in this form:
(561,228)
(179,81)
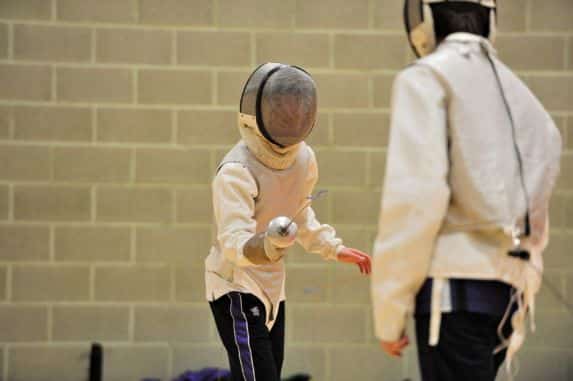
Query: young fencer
(261,201)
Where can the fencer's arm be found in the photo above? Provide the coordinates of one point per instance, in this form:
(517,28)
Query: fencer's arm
(317,238)
(415,198)
(313,236)
(234,192)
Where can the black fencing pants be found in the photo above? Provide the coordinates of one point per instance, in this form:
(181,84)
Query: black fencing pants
(465,348)
(254,352)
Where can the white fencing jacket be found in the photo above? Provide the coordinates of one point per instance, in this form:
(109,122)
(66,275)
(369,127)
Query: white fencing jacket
(256,183)
(452,189)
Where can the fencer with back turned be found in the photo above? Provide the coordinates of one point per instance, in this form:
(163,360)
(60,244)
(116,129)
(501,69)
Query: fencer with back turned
(261,199)
(473,158)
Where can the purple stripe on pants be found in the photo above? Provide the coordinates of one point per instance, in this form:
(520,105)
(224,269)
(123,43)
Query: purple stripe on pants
(242,336)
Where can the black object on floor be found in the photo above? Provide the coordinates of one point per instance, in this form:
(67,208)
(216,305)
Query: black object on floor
(96,362)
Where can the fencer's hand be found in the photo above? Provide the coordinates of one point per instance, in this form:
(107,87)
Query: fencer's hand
(395,348)
(281,233)
(362,260)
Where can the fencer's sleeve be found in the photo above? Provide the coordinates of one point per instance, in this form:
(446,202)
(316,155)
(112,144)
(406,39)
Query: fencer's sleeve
(234,191)
(313,236)
(415,198)
(542,194)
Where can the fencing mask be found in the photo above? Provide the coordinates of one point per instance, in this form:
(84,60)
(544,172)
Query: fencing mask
(280,102)
(421,27)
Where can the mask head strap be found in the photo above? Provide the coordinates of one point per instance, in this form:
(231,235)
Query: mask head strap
(258,113)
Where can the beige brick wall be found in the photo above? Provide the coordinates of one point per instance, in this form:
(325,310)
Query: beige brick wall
(113,116)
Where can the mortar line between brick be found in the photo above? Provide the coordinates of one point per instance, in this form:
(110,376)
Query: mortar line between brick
(528,8)
(132,245)
(52,163)
(131,327)
(371,92)
(52,253)
(92,283)
(293,19)
(11,203)
(368,167)
(5,359)
(124,185)
(103,224)
(173,206)
(371,14)
(368,324)
(327,361)
(215,18)
(132,166)
(103,144)
(11,124)
(568,53)
(10,41)
(93,41)
(204,69)
(135,85)
(94,123)
(172,285)
(174,49)
(136,14)
(103,304)
(199,107)
(9,276)
(215,83)
(54,84)
(54,10)
(331,52)
(174,126)
(129,106)
(93,206)
(4,294)
(145,186)
(75,344)
(170,27)
(169,359)
(49,322)
(149,66)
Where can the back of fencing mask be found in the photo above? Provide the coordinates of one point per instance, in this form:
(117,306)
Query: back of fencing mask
(420,27)
(280,101)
